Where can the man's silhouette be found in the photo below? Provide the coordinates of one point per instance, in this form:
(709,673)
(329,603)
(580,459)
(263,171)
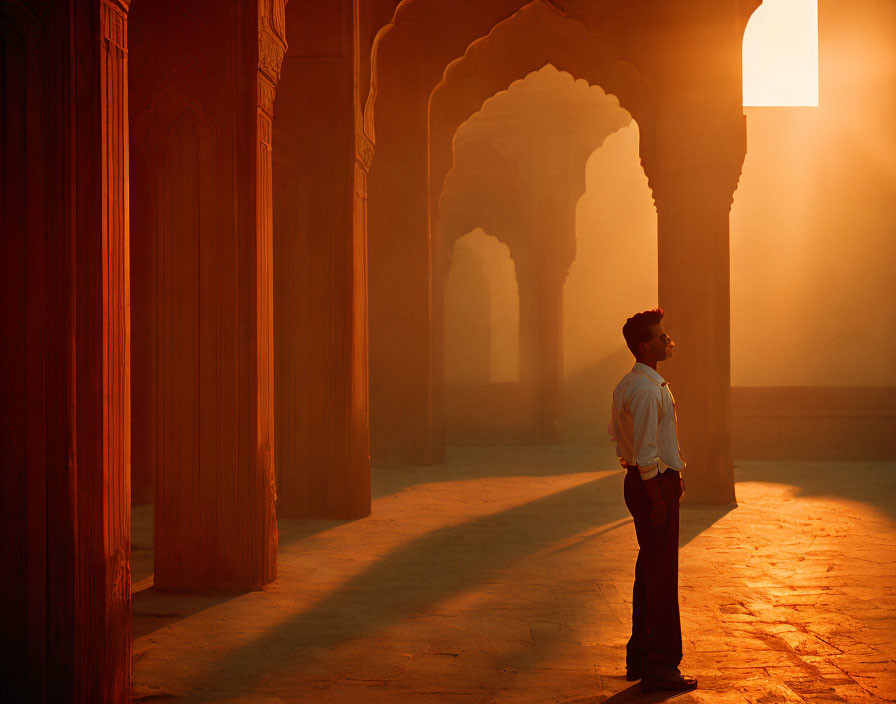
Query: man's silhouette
(644,427)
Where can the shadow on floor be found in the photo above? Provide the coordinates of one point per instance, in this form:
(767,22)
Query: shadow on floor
(464,462)
(632,694)
(414,579)
(152,610)
(696,519)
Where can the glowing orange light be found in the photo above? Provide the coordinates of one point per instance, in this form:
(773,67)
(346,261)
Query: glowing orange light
(780,54)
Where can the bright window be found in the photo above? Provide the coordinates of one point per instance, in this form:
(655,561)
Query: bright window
(780,54)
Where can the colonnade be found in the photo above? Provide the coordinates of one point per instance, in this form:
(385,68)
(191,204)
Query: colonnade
(185,266)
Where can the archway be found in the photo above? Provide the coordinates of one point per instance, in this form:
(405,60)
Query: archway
(692,147)
(402,382)
(614,273)
(483,395)
(512,48)
(519,170)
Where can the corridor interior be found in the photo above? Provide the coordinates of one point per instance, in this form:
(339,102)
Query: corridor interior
(505,576)
(312,317)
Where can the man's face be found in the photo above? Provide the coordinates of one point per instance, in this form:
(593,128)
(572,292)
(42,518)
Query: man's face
(660,345)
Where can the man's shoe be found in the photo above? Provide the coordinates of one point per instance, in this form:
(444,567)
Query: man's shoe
(676,683)
(632,675)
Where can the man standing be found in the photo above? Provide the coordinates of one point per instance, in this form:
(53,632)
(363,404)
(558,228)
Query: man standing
(644,427)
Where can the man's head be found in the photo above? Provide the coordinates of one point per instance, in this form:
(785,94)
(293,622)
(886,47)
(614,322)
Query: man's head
(646,337)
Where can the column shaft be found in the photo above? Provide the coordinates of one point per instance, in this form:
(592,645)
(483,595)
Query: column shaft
(694,291)
(65,451)
(203,327)
(406,376)
(320,245)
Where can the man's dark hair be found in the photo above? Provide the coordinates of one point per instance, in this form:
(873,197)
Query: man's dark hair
(637,328)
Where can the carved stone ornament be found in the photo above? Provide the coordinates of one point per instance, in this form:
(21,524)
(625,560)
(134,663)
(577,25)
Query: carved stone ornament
(266,92)
(365,149)
(271,37)
(270,54)
(115,23)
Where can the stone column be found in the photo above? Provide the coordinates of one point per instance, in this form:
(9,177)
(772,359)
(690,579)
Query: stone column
(66,422)
(694,190)
(260,439)
(106,560)
(320,245)
(692,228)
(549,396)
(541,346)
(693,153)
(405,372)
(102,365)
(203,321)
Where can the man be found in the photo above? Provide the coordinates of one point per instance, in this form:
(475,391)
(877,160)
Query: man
(644,427)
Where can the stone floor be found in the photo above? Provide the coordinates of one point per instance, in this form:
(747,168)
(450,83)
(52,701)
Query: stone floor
(505,576)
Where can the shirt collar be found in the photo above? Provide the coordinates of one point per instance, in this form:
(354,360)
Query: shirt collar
(654,375)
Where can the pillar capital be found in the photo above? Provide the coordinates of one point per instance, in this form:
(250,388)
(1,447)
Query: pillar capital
(690,165)
(122,5)
(271,50)
(115,24)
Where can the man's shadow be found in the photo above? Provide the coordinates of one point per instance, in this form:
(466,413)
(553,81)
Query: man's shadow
(632,693)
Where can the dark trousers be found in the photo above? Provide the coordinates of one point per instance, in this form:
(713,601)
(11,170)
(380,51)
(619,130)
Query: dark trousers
(655,645)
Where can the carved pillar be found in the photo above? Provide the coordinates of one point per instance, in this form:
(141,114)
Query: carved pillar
(549,394)
(271,49)
(203,321)
(541,345)
(105,476)
(529,342)
(65,449)
(693,158)
(693,197)
(405,372)
(320,243)
(692,229)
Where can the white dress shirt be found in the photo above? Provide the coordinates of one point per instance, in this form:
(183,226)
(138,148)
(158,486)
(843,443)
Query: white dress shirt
(643,423)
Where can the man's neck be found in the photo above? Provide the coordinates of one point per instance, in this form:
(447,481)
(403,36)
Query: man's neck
(648,363)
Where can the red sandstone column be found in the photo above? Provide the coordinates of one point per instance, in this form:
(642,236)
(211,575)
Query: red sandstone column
(541,346)
(696,156)
(65,450)
(405,378)
(692,227)
(203,78)
(102,395)
(104,477)
(271,33)
(320,223)
(549,396)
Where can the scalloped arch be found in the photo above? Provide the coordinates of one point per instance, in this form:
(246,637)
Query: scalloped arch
(534,36)
(484,208)
(455,23)
(477,166)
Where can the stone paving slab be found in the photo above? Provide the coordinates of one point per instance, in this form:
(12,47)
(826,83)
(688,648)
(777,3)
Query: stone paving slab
(504,576)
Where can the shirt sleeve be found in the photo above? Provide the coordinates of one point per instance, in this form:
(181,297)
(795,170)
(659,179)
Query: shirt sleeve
(645,419)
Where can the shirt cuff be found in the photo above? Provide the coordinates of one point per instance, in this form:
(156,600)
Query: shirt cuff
(649,471)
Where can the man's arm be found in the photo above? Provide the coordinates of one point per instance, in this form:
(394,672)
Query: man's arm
(644,406)
(645,415)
